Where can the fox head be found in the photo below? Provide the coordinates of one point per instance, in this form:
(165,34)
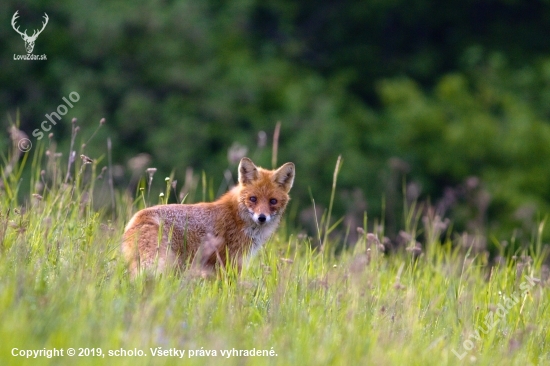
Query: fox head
(264,193)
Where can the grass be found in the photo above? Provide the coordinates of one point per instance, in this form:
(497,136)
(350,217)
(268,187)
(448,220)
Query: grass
(63,285)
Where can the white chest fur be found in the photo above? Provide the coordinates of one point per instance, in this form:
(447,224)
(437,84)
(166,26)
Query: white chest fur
(259,235)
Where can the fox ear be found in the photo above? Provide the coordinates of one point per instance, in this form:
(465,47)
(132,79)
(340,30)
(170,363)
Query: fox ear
(247,171)
(284,176)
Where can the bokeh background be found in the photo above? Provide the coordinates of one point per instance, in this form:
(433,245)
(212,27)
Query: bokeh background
(445,103)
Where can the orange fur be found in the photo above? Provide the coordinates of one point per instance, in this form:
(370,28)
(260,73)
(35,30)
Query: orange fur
(227,230)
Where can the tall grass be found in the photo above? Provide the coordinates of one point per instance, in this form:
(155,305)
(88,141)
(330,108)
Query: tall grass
(63,285)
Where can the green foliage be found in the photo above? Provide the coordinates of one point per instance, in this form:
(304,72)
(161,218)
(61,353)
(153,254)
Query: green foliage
(424,95)
(487,127)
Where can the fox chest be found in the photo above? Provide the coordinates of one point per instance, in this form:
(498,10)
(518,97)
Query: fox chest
(258,236)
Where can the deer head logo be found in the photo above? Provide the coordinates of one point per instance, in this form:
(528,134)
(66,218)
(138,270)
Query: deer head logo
(29,40)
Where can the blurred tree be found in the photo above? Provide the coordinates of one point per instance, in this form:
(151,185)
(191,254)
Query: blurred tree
(437,93)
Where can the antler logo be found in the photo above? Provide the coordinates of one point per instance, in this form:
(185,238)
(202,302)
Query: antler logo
(29,40)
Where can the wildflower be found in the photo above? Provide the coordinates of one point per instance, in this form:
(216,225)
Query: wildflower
(85,159)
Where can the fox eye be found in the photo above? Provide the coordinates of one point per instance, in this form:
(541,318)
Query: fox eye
(253,199)
(273,201)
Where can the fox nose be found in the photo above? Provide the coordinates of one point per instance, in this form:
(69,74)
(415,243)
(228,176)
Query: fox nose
(261,218)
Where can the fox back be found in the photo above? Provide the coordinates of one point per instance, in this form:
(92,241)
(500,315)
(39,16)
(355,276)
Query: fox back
(210,233)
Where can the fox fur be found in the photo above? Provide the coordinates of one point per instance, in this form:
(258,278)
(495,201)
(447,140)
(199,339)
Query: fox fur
(214,233)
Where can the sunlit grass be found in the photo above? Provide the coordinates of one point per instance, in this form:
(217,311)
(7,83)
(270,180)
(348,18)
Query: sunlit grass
(63,285)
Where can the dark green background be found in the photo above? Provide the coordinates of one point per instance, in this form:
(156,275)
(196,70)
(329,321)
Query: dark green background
(450,99)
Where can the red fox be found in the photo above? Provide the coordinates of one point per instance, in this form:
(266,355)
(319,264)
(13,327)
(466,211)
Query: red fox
(227,230)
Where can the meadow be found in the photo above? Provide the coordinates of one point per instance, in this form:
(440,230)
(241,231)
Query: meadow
(436,300)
